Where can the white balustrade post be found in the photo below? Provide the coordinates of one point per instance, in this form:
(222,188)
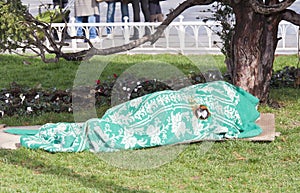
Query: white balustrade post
(126,30)
(73,32)
(196,32)
(209,35)
(209,32)
(283,33)
(167,36)
(59,31)
(181,33)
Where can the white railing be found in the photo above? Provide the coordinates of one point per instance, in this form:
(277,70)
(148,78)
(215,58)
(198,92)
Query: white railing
(193,37)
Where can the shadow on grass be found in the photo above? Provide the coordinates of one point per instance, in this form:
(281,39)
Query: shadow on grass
(24,158)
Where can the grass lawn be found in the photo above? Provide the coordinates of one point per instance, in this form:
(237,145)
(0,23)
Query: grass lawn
(232,166)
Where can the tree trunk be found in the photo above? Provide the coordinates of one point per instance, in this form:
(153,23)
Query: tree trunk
(254,43)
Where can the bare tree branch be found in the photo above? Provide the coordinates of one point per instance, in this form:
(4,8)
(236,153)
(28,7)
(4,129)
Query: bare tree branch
(269,9)
(291,16)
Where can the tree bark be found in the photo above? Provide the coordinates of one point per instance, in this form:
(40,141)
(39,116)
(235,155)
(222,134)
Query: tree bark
(254,43)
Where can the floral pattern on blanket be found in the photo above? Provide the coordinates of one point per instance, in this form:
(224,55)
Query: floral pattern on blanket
(156,119)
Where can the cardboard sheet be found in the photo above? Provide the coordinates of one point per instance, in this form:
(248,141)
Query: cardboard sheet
(266,122)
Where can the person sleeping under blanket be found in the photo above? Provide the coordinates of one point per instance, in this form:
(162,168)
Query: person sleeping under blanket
(209,111)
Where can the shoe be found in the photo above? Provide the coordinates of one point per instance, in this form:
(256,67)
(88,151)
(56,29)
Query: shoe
(95,40)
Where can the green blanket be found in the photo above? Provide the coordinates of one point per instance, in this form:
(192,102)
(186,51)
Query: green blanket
(210,111)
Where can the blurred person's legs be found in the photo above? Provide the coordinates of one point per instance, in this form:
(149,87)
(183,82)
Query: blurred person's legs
(146,13)
(98,16)
(136,10)
(124,11)
(136,18)
(145,9)
(79,30)
(110,15)
(155,11)
(93,31)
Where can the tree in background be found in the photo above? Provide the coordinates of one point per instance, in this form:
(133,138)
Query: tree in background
(250,54)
